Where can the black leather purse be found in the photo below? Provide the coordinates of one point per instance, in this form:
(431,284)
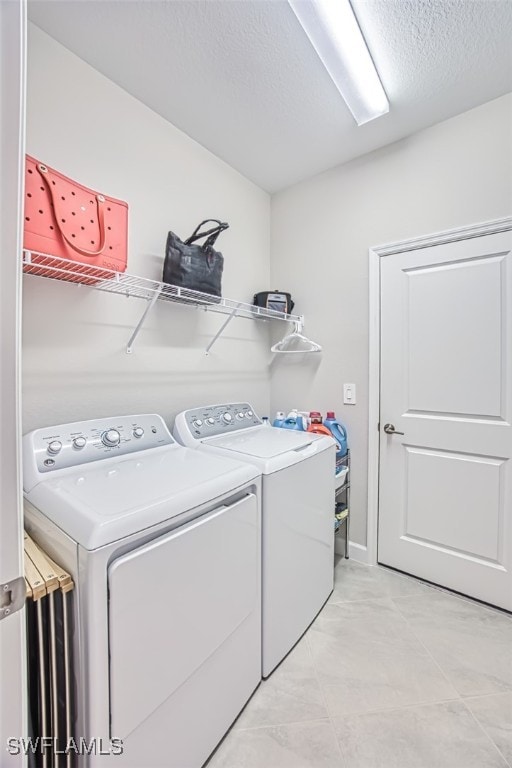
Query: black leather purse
(197,267)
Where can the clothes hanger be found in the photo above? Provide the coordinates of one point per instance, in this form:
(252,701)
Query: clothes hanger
(295,342)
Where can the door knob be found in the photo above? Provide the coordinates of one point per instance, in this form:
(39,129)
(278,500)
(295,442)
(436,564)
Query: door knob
(389,429)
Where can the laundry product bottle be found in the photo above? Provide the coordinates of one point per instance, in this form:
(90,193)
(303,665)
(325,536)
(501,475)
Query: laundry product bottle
(265,420)
(278,421)
(293,421)
(316,425)
(339,433)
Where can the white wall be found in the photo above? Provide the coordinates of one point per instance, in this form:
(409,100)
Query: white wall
(456,173)
(74,361)
(74,338)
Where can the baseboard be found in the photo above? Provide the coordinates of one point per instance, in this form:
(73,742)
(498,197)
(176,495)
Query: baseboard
(358,552)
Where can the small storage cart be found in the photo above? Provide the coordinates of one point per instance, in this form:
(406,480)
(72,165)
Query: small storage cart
(342,500)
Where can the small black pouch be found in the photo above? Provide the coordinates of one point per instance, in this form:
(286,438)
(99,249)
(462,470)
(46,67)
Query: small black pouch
(276,300)
(191,265)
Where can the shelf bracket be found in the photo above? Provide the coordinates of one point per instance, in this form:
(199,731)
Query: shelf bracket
(150,305)
(221,329)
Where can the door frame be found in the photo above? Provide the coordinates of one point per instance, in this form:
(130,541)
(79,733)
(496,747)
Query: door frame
(13,696)
(375,255)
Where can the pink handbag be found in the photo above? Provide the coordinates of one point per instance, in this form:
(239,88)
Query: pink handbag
(65,219)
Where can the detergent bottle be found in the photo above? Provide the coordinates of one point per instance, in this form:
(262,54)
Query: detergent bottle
(293,421)
(278,421)
(316,425)
(339,433)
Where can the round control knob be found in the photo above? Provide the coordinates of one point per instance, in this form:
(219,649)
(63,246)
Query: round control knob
(210,421)
(54,447)
(111,438)
(227,417)
(197,423)
(249,414)
(138,432)
(240,415)
(79,442)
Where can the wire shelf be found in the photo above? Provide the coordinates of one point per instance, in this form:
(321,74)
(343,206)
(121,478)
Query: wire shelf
(124,284)
(108,280)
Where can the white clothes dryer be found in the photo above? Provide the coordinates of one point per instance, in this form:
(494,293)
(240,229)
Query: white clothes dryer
(297,513)
(164,546)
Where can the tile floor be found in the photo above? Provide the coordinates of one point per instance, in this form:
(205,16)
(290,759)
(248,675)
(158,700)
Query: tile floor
(392,674)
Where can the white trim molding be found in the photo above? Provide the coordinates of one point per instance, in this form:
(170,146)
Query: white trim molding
(13,666)
(358,553)
(448,236)
(375,255)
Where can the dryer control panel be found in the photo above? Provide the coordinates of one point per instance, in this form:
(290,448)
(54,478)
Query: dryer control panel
(212,420)
(80,442)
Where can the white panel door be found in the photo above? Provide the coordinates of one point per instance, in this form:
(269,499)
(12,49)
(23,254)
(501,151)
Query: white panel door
(445,503)
(12,636)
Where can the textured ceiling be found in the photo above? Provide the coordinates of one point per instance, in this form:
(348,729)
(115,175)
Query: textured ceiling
(240,76)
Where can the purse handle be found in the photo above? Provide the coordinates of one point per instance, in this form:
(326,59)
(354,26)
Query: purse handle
(45,175)
(211,234)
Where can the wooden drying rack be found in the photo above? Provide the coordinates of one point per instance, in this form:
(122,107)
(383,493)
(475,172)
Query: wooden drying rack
(42,574)
(49,653)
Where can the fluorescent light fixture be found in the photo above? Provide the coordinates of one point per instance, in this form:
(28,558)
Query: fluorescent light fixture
(335,35)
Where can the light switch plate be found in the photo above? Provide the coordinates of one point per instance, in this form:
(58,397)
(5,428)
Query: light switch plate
(349,394)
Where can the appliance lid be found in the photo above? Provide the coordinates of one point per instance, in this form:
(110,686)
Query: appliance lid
(97,504)
(264,442)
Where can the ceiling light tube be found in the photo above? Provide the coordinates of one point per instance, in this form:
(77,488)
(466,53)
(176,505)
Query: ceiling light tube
(335,35)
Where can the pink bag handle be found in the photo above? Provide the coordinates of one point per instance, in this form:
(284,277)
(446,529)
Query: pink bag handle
(45,175)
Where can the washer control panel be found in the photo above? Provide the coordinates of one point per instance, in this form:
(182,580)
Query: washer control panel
(81,442)
(210,420)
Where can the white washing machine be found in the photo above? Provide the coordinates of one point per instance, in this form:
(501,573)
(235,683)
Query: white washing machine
(164,545)
(297,513)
